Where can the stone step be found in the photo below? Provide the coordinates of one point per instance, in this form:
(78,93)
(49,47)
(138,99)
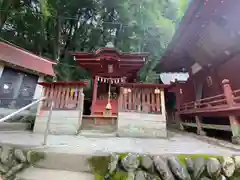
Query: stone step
(40,174)
(14,126)
(65,161)
(105,128)
(96,133)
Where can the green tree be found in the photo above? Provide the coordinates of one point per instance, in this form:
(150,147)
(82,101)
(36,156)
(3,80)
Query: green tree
(53,28)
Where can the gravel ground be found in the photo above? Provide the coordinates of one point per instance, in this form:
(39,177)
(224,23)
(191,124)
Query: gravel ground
(176,143)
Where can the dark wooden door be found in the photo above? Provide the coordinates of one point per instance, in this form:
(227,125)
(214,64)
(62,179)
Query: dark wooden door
(27,89)
(8,86)
(16,88)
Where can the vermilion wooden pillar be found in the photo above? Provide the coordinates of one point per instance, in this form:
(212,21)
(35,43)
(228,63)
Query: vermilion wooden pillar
(178,95)
(234,121)
(94,96)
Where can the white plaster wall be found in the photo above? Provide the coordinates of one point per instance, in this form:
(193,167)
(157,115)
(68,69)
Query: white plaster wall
(133,124)
(39,88)
(62,122)
(1,69)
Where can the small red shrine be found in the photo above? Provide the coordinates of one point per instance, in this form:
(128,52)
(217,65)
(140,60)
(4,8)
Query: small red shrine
(131,109)
(109,67)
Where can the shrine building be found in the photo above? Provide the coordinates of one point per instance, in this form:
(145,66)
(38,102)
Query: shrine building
(206,46)
(20,73)
(117,99)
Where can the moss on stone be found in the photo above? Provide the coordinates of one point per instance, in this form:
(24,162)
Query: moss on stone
(195,156)
(99,164)
(98,177)
(123,155)
(236,176)
(34,156)
(120,175)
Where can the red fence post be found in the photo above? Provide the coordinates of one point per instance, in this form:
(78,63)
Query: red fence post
(234,121)
(94,96)
(228,92)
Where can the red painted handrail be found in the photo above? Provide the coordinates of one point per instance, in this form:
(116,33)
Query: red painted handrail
(227,99)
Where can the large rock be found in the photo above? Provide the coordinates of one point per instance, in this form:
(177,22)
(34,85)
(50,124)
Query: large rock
(119,175)
(205,178)
(6,154)
(3,169)
(237,162)
(141,175)
(213,167)
(113,163)
(222,177)
(162,168)
(199,168)
(131,175)
(178,169)
(147,163)
(189,165)
(130,162)
(14,160)
(19,155)
(15,169)
(228,166)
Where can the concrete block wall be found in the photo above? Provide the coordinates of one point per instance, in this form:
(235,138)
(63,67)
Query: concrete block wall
(133,124)
(62,122)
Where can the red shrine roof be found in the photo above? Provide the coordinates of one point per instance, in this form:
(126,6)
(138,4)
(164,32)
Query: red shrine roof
(124,64)
(25,59)
(208,34)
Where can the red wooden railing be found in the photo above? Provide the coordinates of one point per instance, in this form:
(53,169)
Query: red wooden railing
(140,100)
(236,96)
(228,99)
(64,97)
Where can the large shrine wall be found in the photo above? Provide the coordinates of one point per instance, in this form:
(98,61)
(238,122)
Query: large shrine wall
(187,93)
(228,70)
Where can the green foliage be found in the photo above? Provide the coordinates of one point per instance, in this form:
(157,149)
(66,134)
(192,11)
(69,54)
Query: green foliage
(53,28)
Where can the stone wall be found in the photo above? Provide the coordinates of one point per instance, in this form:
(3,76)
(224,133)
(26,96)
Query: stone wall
(14,160)
(131,124)
(180,167)
(62,122)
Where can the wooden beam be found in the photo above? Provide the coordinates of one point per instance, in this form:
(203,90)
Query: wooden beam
(209,126)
